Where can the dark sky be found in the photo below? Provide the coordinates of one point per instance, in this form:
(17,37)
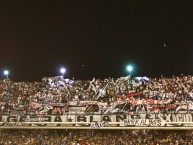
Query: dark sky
(95,38)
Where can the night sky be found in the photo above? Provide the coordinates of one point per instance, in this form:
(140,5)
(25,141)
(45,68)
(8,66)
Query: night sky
(95,38)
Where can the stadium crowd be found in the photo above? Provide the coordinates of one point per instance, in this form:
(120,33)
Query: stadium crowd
(96,137)
(176,90)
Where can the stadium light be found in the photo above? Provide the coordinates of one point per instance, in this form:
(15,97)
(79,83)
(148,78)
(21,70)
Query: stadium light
(6,73)
(129,69)
(63,71)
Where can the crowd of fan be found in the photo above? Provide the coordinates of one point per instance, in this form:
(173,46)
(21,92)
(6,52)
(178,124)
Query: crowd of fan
(96,137)
(174,90)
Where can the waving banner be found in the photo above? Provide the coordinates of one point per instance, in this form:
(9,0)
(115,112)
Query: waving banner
(124,120)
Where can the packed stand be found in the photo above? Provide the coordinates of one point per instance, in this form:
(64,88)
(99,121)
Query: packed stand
(96,137)
(121,94)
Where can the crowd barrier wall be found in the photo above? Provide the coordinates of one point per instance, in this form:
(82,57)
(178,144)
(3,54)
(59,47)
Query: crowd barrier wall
(97,121)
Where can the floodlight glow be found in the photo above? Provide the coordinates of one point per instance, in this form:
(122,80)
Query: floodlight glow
(63,70)
(129,68)
(6,72)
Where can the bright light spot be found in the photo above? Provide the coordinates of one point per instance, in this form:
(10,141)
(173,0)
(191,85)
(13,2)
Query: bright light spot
(129,68)
(142,78)
(6,72)
(138,78)
(146,78)
(63,70)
